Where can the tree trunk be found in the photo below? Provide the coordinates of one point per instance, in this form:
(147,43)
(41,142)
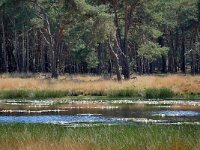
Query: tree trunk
(125,68)
(123,46)
(115,59)
(54,73)
(23,51)
(27,52)
(4,45)
(15,51)
(183,69)
(125,60)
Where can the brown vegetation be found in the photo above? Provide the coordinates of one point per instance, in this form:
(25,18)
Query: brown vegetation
(178,83)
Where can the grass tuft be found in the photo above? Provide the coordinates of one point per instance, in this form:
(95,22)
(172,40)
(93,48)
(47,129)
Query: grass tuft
(124,93)
(12,94)
(159,93)
(48,94)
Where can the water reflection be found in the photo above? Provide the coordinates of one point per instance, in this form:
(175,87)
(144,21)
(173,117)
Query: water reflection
(55,119)
(176,113)
(101,111)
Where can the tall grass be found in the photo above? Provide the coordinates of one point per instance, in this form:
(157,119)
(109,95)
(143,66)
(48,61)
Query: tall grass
(159,93)
(12,94)
(36,94)
(125,93)
(177,83)
(98,86)
(149,93)
(43,137)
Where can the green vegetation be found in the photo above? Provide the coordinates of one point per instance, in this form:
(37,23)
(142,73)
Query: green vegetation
(101,137)
(125,93)
(11,94)
(36,94)
(159,93)
(100,37)
(150,93)
(189,96)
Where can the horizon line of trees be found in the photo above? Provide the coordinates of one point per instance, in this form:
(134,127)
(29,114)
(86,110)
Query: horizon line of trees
(119,37)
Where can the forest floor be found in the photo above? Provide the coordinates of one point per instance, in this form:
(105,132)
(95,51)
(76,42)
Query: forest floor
(153,86)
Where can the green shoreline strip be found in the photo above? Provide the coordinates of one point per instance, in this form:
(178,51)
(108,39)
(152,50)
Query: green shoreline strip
(149,93)
(103,137)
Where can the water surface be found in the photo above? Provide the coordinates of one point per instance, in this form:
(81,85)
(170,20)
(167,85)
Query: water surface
(69,112)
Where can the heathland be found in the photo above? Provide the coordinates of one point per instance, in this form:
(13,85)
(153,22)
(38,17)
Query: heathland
(134,136)
(86,50)
(153,86)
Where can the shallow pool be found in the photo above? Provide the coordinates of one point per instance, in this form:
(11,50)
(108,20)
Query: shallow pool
(69,112)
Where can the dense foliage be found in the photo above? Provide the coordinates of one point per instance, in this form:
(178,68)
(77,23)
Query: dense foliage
(99,36)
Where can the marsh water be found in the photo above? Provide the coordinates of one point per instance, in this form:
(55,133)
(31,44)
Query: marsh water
(94,112)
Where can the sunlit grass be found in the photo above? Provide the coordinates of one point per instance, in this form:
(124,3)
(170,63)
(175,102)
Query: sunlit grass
(98,86)
(43,137)
(178,83)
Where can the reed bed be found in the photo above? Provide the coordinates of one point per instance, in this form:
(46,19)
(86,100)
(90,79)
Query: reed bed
(143,137)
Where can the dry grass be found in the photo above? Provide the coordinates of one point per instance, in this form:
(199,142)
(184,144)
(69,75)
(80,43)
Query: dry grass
(178,83)
(84,83)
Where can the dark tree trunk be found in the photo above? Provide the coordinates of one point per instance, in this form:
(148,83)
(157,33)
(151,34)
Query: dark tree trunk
(162,44)
(123,45)
(27,51)
(5,57)
(183,67)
